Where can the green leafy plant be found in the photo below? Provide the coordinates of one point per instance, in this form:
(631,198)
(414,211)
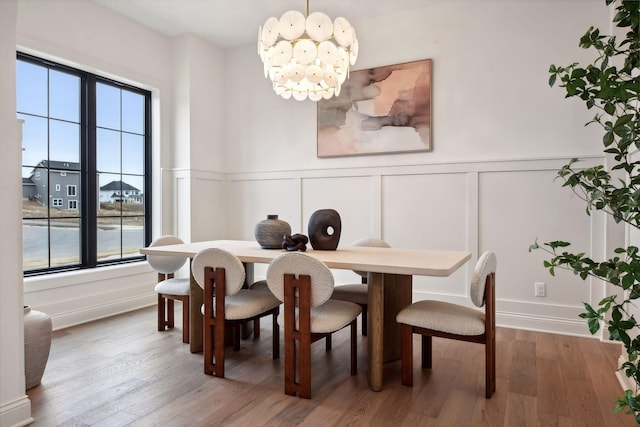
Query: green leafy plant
(610,85)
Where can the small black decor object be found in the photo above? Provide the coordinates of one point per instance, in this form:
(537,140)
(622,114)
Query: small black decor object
(324,229)
(270,232)
(297,242)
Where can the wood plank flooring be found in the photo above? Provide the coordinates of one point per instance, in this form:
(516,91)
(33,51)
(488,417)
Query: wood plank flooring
(121,371)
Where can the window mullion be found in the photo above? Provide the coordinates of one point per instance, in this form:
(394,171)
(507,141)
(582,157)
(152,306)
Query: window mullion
(90,211)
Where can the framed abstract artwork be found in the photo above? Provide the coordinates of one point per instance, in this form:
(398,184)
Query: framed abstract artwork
(380,110)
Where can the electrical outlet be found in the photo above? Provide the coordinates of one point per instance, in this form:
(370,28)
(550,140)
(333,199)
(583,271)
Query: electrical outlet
(540,289)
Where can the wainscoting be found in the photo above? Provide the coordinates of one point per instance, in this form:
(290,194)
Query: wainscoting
(502,206)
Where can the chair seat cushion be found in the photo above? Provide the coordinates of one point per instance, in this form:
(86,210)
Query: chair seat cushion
(331,316)
(246,304)
(357,293)
(179,286)
(444,317)
(260,286)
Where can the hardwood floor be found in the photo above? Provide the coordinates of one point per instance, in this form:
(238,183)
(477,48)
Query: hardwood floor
(121,371)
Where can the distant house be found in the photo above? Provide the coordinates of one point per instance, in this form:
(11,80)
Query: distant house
(118,191)
(60,189)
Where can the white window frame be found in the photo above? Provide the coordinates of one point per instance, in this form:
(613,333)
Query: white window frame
(56,203)
(72,205)
(69,191)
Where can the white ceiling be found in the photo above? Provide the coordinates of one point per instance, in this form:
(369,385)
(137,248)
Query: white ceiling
(232,23)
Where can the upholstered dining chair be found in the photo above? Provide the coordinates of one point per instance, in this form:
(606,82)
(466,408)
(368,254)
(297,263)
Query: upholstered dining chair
(221,275)
(169,288)
(305,286)
(453,321)
(359,292)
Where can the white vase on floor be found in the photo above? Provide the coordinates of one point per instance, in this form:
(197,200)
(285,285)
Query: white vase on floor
(37,343)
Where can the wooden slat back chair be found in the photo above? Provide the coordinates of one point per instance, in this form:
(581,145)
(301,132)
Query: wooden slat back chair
(169,288)
(359,292)
(305,286)
(221,275)
(446,320)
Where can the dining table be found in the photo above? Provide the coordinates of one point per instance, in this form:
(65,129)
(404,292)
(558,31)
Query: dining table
(390,274)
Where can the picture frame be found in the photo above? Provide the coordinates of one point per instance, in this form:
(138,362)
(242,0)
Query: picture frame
(379,110)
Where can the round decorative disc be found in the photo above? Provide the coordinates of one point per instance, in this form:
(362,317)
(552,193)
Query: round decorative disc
(291,25)
(342,31)
(319,26)
(281,53)
(314,74)
(296,73)
(299,96)
(305,51)
(315,96)
(270,32)
(328,52)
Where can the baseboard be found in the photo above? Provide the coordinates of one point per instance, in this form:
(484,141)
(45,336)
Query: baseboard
(16,413)
(555,325)
(96,312)
(625,381)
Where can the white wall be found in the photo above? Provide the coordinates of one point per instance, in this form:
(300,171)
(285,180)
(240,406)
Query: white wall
(491,100)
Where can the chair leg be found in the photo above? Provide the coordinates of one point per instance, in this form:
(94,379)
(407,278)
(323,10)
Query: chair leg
(327,344)
(185,320)
(256,328)
(304,366)
(209,340)
(290,364)
(161,315)
(427,352)
(406,336)
(218,367)
(364,321)
(354,348)
(490,368)
(235,336)
(275,336)
(170,317)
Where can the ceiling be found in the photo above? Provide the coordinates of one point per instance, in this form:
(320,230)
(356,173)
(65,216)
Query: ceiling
(232,23)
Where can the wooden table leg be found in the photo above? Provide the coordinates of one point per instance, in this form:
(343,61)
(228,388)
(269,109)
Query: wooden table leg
(397,295)
(375,333)
(196,299)
(247,327)
(388,294)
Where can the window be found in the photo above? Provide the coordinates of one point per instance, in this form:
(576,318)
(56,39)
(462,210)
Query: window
(91,135)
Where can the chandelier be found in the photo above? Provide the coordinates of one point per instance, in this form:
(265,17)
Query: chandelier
(307,57)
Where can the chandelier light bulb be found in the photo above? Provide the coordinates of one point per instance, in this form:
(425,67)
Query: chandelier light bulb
(307,58)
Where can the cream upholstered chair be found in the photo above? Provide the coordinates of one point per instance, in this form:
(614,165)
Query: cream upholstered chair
(221,275)
(359,292)
(169,288)
(305,285)
(446,320)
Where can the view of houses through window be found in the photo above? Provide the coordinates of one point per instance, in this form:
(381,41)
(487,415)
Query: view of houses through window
(85,167)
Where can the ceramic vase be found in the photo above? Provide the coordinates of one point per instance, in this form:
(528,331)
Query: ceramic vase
(270,232)
(325,227)
(37,344)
